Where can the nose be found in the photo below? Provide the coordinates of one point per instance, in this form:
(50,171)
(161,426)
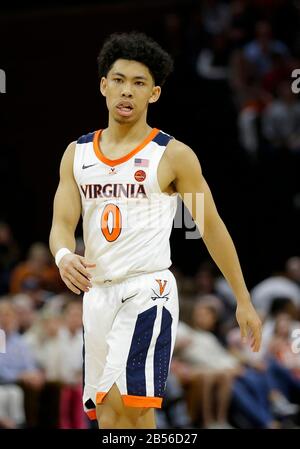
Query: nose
(126,91)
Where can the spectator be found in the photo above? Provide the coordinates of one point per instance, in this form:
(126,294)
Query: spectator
(71,342)
(281,119)
(285,284)
(37,272)
(281,344)
(259,52)
(17,365)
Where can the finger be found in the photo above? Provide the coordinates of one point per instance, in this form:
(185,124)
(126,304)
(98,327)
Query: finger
(77,283)
(85,263)
(79,277)
(258,341)
(256,338)
(244,334)
(83,271)
(72,287)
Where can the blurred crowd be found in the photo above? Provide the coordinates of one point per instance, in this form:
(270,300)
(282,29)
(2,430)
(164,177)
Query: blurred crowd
(215,381)
(253,47)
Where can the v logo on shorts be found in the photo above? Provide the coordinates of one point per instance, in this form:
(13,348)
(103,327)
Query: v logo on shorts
(162,286)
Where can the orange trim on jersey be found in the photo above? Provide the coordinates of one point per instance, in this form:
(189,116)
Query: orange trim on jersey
(141,401)
(91,414)
(112,162)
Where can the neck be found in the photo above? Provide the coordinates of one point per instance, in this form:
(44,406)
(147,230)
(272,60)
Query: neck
(118,132)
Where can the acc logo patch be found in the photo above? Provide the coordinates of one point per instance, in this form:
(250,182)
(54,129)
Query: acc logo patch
(140,175)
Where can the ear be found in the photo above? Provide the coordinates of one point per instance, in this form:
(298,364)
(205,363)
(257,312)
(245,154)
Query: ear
(156,91)
(103,86)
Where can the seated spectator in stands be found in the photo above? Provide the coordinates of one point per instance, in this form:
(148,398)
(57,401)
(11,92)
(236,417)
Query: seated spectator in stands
(38,269)
(274,387)
(71,342)
(207,364)
(259,52)
(56,340)
(25,310)
(44,340)
(285,284)
(281,344)
(281,119)
(279,306)
(17,365)
(207,367)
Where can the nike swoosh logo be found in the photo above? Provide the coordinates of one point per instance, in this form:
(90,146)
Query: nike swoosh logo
(129,297)
(88,166)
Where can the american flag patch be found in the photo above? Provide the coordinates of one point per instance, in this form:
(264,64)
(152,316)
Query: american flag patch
(141,162)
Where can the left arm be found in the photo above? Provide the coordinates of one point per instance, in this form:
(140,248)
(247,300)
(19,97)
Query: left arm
(189,179)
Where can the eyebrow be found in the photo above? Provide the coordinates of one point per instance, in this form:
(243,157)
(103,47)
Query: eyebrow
(141,77)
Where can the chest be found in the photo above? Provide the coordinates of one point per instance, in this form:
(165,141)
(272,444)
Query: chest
(138,170)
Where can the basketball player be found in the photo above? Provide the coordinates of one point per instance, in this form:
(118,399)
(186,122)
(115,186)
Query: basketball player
(124,180)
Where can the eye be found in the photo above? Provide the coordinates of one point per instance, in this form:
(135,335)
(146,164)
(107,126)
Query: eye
(139,83)
(117,80)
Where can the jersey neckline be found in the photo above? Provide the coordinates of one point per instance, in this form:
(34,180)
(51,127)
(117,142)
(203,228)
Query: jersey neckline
(113,162)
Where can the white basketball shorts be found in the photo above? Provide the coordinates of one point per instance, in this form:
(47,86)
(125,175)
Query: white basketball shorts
(129,335)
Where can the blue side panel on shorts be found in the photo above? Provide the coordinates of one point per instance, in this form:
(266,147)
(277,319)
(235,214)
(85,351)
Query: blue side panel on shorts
(86,138)
(162,139)
(136,362)
(162,353)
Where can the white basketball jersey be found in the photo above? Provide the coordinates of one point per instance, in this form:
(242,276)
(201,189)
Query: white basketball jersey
(127,220)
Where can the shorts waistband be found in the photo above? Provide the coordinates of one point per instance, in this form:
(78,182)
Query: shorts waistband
(109,282)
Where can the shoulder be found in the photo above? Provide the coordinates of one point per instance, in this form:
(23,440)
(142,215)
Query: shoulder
(82,140)
(69,152)
(68,158)
(180,155)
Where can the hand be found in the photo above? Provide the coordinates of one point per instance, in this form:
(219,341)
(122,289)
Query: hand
(248,320)
(72,269)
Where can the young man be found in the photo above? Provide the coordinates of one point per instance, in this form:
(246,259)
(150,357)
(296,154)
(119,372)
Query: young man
(125,180)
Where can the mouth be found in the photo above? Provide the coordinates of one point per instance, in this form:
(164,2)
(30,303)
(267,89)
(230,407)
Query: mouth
(124,108)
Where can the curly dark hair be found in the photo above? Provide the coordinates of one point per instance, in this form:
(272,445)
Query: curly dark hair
(138,47)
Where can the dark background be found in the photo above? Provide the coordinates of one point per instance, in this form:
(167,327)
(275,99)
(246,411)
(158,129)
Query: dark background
(49,55)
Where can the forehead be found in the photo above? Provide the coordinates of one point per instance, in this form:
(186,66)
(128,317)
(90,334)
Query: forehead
(130,68)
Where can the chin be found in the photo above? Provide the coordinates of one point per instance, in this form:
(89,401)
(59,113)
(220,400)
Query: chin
(124,120)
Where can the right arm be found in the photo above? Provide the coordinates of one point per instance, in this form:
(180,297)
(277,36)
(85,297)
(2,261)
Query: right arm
(66,214)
